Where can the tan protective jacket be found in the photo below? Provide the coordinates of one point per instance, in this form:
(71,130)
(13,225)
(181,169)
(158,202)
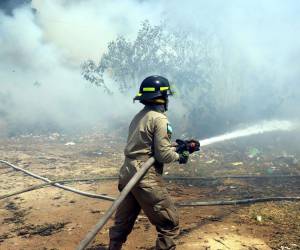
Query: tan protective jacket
(149,136)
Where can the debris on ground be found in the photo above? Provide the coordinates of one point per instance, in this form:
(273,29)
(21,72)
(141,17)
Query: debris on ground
(17,216)
(54,136)
(210,161)
(239,163)
(259,218)
(70,143)
(95,211)
(42,230)
(98,247)
(253,152)
(4,237)
(11,206)
(290,160)
(283,218)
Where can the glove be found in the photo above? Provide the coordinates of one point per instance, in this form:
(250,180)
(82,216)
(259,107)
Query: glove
(183,157)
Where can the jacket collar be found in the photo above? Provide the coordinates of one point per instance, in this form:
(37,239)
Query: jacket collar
(158,108)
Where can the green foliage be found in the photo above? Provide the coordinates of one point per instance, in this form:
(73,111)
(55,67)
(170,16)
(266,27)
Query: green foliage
(188,62)
(178,56)
(214,85)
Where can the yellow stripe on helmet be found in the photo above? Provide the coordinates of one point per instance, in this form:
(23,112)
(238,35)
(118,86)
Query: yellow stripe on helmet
(151,89)
(139,94)
(148,89)
(163,88)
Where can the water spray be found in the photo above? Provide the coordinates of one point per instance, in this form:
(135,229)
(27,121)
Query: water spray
(260,128)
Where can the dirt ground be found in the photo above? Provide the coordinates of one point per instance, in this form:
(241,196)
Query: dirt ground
(50,218)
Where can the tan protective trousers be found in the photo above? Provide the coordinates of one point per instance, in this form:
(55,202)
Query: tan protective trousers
(152,197)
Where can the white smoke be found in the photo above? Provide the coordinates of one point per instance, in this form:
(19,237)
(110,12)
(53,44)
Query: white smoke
(84,28)
(41,53)
(259,44)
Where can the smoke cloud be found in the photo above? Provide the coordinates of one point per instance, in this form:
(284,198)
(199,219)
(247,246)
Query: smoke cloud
(258,54)
(43,44)
(41,52)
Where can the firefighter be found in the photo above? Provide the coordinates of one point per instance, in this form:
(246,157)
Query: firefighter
(149,135)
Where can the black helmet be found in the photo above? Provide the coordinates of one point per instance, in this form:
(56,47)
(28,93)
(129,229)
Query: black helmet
(153,87)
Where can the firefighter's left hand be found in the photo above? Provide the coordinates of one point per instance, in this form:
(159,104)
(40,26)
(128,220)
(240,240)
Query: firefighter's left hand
(183,157)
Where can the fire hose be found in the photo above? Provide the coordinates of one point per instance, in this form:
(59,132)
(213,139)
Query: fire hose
(168,178)
(139,174)
(105,197)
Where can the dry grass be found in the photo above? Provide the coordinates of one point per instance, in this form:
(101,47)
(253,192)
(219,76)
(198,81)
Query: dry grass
(284,218)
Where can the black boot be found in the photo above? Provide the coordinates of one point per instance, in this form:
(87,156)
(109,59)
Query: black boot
(115,245)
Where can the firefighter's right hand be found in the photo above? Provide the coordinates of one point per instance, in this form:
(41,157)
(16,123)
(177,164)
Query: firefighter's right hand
(183,157)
